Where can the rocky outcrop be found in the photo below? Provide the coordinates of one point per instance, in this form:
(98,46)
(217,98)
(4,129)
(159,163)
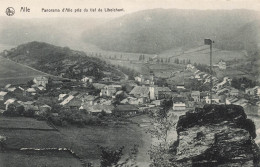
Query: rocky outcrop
(215,135)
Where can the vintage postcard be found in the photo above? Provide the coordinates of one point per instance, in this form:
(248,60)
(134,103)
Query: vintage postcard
(120,83)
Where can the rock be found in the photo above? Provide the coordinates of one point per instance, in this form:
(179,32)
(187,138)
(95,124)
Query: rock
(216,135)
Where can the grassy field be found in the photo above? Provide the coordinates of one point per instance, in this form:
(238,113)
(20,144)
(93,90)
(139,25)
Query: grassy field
(83,141)
(22,122)
(34,139)
(30,159)
(14,73)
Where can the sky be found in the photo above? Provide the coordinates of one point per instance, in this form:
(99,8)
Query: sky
(128,6)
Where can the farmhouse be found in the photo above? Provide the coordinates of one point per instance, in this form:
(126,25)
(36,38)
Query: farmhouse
(41,81)
(87,79)
(179,106)
(157,93)
(140,91)
(215,99)
(255,91)
(126,109)
(234,92)
(222,65)
(195,95)
(2,95)
(108,91)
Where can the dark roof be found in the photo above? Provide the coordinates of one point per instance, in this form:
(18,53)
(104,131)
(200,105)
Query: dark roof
(126,107)
(140,90)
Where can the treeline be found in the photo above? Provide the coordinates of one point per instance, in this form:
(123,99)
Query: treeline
(204,68)
(243,83)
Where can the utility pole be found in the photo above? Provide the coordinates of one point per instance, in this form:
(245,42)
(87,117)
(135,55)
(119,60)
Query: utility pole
(210,42)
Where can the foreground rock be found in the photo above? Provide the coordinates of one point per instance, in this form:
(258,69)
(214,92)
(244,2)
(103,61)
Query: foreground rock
(216,135)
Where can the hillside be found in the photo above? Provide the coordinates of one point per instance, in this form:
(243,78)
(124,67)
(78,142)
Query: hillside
(58,60)
(157,30)
(56,31)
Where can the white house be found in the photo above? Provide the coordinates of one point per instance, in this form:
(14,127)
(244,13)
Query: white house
(87,79)
(41,80)
(215,99)
(222,65)
(179,106)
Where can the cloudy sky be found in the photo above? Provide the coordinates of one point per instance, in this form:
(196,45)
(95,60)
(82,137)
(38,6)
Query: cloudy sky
(129,6)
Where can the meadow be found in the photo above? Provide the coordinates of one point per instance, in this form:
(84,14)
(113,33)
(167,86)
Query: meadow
(83,141)
(11,72)
(25,159)
(23,123)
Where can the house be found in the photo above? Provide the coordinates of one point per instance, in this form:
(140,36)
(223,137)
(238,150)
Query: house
(143,99)
(41,81)
(179,106)
(7,86)
(231,100)
(2,95)
(197,76)
(241,102)
(126,109)
(223,91)
(106,79)
(31,91)
(8,102)
(140,78)
(30,105)
(99,108)
(234,92)
(157,93)
(43,109)
(98,86)
(11,89)
(215,99)
(67,100)
(41,88)
(190,67)
(250,91)
(61,96)
(74,103)
(140,91)
(157,102)
(108,91)
(89,100)
(87,79)
(196,96)
(226,81)
(222,65)
(255,91)
(180,86)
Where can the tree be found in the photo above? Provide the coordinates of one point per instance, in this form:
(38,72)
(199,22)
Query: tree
(109,157)
(163,123)
(176,61)
(140,57)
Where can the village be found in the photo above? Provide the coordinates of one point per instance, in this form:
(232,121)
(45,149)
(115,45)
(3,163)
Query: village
(88,101)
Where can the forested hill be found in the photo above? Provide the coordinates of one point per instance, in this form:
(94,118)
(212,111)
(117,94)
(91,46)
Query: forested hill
(58,60)
(157,30)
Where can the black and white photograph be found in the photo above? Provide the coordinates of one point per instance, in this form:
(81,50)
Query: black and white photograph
(130,83)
